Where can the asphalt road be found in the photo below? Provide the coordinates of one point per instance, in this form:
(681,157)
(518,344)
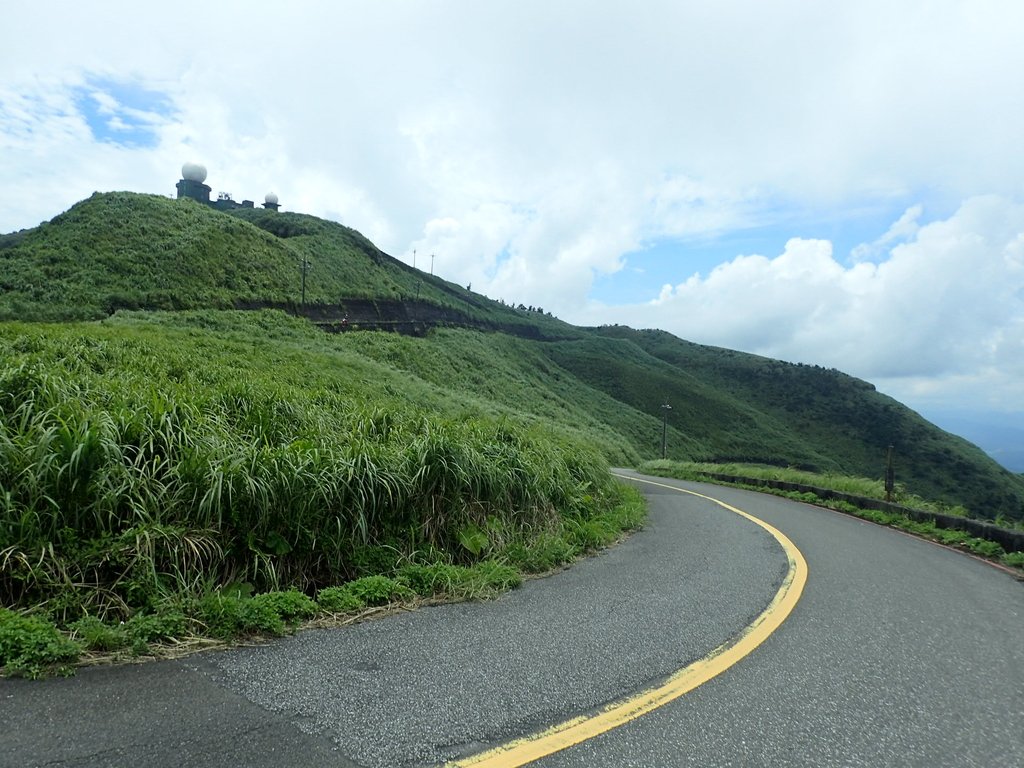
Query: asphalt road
(899,653)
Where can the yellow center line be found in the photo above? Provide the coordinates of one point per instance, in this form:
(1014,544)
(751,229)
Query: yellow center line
(566,734)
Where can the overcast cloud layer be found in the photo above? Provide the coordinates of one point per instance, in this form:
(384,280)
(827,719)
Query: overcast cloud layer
(866,154)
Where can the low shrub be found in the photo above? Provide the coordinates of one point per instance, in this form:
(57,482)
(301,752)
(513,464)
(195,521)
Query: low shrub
(339,600)
(1013,559)
(228,617)
(292,606)
(33,647)
(154,627)
(985,548)
(378,590)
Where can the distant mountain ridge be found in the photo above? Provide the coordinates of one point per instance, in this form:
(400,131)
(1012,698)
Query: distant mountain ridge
(1002,439)
(123,250)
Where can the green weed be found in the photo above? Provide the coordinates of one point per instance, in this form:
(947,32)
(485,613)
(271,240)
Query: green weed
(32,647)
(493,577)
(434,579)
(95,635)
(163,625)
(228,617)
(377,590)
(1013,559)
(292,606)
(339,600)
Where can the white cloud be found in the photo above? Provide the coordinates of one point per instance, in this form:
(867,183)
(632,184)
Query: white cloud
(531,146)
(939,320)
(902,229)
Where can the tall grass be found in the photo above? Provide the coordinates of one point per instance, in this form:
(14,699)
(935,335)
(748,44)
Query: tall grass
(125,479)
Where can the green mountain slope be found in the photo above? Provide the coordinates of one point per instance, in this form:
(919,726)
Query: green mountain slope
(122,250)
(843,424)
(607,385)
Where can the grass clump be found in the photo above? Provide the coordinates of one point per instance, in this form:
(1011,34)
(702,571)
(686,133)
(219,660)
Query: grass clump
(484,579)
(95,635)
(493,577)
(545,552)
(434,579)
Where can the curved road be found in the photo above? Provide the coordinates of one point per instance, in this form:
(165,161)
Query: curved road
(899,652)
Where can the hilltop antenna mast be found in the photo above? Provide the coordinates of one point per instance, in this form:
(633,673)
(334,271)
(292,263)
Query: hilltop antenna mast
(431,265)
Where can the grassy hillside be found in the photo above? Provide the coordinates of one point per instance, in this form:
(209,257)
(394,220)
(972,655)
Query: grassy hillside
(121,250)
(844,424)
(154,455)
(605,386)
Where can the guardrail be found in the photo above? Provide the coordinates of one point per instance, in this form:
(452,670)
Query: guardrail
(1009,539)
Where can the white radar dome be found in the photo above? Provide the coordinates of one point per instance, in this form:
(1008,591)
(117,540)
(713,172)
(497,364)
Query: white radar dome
(271,198)
(193,172)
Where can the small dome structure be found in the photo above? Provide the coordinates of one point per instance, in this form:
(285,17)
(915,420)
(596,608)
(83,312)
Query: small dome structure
(193,172)
(271,198)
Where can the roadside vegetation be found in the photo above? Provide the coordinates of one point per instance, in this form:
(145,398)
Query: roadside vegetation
(160,484)
(816,419)
(856,486)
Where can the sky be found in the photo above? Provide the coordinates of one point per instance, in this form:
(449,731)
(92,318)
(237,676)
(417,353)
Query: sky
(826,182)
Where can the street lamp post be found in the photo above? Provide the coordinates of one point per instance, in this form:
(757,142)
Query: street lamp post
(665,408)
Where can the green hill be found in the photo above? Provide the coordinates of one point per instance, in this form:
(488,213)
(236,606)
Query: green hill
(122,250)
(604,386)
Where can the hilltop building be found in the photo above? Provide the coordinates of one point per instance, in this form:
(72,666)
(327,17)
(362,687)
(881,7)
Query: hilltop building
(191,185)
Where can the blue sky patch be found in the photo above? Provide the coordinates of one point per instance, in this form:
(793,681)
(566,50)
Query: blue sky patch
(674,260)
(123,113)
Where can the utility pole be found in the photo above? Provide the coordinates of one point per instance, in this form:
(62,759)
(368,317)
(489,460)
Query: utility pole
(890,475)
(305,268)
(664,428)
